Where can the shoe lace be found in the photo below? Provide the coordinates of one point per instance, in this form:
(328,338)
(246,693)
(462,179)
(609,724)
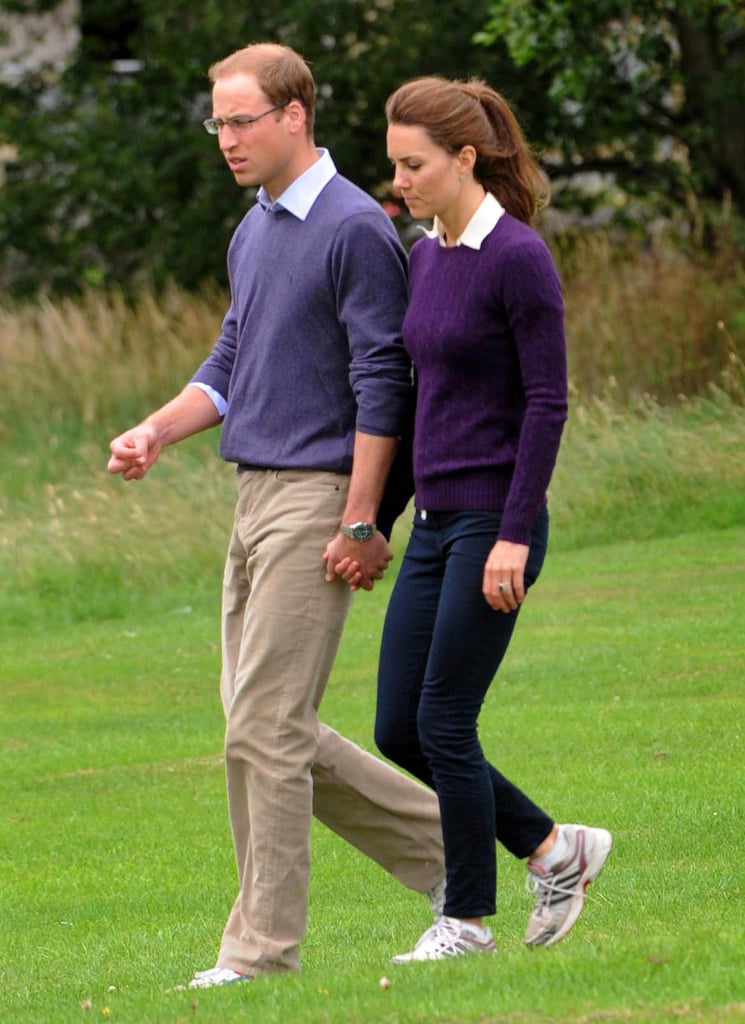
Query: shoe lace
(441,936)
(544,888)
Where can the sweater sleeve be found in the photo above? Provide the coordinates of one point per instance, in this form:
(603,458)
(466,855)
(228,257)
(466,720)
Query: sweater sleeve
(369,268)
(217,368)
(534,305)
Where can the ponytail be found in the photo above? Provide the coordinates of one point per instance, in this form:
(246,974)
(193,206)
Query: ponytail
(460,113)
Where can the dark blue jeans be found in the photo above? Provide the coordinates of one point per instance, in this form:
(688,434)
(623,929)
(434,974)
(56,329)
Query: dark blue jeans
(442,645)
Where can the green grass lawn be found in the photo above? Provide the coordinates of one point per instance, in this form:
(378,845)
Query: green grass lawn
(621,703)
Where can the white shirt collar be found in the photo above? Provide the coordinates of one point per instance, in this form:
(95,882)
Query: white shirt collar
(481,224)
(299,196)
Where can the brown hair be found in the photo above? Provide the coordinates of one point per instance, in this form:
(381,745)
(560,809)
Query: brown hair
(462,113)
(282,75)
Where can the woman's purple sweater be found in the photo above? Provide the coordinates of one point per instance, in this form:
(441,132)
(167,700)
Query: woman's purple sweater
(485,330)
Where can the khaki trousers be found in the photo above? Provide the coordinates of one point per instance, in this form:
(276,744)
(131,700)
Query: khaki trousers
(281,627)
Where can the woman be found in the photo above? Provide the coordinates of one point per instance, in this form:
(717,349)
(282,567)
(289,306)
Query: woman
(484,328)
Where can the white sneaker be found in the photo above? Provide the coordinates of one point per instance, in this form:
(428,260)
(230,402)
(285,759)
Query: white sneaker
(449,936)
(560,891)
(216,976)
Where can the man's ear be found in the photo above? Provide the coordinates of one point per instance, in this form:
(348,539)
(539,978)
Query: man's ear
(296,115)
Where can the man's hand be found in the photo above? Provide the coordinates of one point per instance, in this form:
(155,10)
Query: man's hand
(358,563)
(134,451)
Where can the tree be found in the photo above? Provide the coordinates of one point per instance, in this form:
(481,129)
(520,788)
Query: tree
(114,179)
(651,94)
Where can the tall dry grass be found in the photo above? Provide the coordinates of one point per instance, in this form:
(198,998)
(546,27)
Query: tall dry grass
(655,322)
(637,459)
(650,323)
(98,359)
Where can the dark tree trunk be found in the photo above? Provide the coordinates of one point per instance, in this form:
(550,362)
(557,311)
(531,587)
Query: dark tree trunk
(712,61)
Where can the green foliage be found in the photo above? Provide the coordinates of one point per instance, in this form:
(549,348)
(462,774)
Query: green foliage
(652,97)
(28,6)
(109,185)
(114,181)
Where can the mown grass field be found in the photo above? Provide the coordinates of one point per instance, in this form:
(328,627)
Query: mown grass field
(621,703)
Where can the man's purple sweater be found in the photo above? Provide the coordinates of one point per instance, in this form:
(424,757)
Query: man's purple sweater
(485,330)
(311,348)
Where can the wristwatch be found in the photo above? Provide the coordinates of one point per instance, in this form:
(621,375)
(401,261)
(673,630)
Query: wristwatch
(358,531)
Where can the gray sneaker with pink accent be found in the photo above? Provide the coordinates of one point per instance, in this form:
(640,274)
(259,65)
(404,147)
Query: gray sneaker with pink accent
(560,891)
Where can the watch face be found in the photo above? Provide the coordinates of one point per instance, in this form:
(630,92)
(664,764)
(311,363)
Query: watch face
(359,531)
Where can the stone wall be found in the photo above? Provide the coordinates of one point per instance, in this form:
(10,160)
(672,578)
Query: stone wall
(31,41)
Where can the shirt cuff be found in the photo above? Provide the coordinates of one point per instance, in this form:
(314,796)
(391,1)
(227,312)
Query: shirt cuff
(215,397)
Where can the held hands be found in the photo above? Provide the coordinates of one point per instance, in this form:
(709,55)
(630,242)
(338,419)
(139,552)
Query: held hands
(358,563)
(134,451)
(504,576)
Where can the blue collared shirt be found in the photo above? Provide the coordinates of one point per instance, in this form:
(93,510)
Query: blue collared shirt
(299,196)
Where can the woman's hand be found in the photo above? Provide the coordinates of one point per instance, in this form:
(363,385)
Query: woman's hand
(504,576)
(358,563)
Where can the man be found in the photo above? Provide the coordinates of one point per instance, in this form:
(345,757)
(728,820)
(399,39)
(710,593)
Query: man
(311,383)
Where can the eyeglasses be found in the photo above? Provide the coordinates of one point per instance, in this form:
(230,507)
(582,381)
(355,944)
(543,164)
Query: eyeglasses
(238,124)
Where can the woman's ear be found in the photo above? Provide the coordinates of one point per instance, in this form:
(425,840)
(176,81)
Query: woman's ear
(467,159)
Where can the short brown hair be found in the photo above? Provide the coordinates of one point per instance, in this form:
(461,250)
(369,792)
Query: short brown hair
(462,113)
(282,74)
